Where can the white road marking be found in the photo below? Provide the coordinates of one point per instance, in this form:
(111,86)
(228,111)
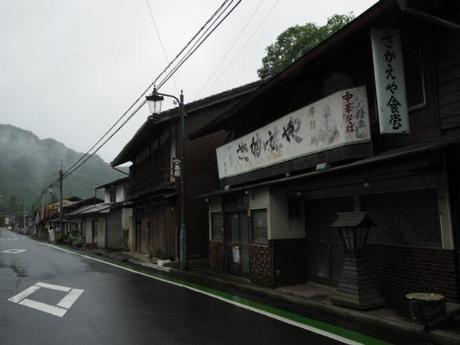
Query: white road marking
(62,307)
(53,287)
(13,251)
(237,304)
(27,292)
(13,238)
(70,298)
(47,308)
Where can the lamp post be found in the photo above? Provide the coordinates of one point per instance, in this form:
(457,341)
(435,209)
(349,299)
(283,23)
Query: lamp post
(153,99)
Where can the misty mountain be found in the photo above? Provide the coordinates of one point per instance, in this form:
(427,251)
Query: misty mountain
(28,164)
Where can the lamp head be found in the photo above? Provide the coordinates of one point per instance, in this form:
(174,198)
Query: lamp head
(154,101)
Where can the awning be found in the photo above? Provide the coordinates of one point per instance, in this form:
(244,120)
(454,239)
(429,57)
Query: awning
(407,151)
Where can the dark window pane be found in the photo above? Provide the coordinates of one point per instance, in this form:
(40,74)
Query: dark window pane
(419,218)
(410,218)
(234,228)
(259,226)
(382,209)
(413,73)
(217,226)
(244,228)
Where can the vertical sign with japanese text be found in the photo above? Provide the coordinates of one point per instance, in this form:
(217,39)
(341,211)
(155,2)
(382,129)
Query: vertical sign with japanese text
(339,119)
(389,81)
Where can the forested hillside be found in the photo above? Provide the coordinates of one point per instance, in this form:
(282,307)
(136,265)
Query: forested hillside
(28,164)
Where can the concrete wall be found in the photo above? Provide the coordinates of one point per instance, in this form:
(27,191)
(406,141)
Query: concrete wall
(100,241)
(120,193)
(281,226)
(128,225)
(114,231)
(106,195)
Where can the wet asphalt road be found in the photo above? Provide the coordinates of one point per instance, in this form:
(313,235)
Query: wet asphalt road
(120,307)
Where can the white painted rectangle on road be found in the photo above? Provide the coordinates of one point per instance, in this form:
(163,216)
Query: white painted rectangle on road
(27,292)
(47,308)
(58,310)
(13,251)
(53,287)
(70,298)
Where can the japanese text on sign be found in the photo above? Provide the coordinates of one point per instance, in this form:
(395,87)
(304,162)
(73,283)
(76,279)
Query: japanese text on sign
(389,81)
(339,119)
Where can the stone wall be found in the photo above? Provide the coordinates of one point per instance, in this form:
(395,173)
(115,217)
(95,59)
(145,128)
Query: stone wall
(399,270)
(261,264)
(216,256)
(290,261)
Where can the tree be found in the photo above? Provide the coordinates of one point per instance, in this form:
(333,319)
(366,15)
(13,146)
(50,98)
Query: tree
(13,204)
(292,43)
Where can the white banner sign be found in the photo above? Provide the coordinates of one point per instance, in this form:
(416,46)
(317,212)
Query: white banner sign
(339,119)
(389,81)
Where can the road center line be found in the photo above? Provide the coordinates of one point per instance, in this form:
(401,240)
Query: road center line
(341,335)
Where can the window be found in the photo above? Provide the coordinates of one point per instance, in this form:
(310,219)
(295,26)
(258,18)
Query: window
(217,226)
(415,81)
(259,226)
(407,218)
(112,194)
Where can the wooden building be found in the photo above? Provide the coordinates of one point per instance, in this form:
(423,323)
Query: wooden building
(153,188)
(312,141)
(119,220)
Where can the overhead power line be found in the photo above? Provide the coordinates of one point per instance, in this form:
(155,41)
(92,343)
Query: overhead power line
(245,44)
(208,32)
(195,43)
(157,31)
(226,54)
(88,153)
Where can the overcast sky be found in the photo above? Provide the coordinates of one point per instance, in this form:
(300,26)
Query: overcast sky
(70,68)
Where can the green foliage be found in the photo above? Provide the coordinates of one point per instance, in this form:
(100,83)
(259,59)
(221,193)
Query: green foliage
(76,240)
(296,41)
(13,204)
(157,253)
(58,237)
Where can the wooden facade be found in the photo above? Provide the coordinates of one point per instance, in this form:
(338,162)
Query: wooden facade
(406,181)
(155,191)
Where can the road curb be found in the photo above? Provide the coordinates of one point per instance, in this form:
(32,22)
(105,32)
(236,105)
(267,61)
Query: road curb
(403,327)
(399,326)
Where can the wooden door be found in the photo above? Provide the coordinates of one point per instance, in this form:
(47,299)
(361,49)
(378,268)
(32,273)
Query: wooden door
(236,242)
(325,248)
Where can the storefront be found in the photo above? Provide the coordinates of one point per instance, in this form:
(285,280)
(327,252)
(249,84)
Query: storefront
(376,130)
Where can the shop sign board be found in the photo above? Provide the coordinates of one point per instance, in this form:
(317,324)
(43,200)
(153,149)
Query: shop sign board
(389,81)
(339,119)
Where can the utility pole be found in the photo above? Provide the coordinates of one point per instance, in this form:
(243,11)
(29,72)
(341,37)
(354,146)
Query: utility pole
(183,227)
(61,211)
(24,217)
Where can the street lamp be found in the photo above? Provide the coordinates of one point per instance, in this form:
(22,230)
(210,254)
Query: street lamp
(153,99)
